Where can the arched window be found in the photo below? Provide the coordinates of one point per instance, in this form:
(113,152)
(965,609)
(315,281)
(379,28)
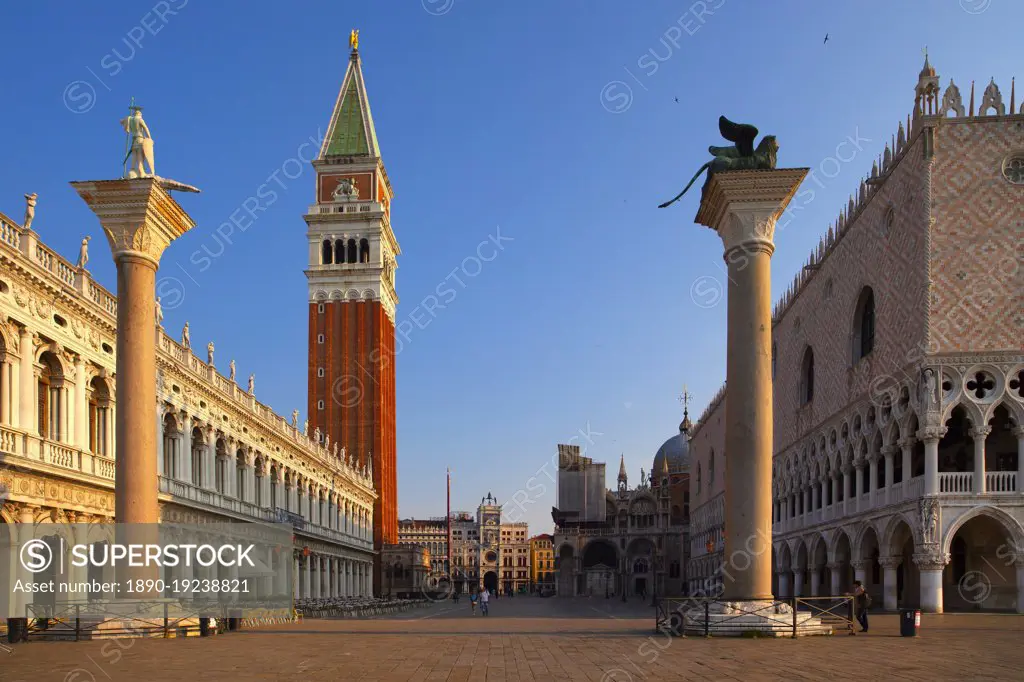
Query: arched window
(711,468)
(364,251)
(807,377)
(339,251)
(351,255)
(698,478)
(51,398)
(328,253)
(864,325)
(99,417)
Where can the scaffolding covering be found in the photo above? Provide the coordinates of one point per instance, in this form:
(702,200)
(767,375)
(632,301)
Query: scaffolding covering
(581,486)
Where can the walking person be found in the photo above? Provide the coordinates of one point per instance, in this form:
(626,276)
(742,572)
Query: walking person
(861,602)
(472,602)
(485,597)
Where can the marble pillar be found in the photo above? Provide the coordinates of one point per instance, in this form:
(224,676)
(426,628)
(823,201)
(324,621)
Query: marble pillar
(930,567)
(889,566)
(140,220)
(743,207)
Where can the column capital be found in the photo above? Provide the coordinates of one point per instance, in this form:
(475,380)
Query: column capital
(859,565)
(931,561)
(1019,432)
(888,450)
(744,205)
(890,562)
(930,434)
(980,431)
(138,215)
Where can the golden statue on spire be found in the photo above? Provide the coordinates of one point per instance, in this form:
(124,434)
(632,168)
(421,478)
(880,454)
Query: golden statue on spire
(353,39)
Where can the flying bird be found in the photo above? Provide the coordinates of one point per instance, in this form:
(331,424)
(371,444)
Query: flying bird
(676,99)
(826,39)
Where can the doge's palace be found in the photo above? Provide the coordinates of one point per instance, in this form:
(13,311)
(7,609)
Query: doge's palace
(222,455)
(897,371)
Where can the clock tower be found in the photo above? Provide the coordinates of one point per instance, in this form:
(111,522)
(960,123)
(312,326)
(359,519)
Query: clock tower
(352,298)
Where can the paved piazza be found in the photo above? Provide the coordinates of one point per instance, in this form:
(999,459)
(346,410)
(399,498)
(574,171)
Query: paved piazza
(528,638)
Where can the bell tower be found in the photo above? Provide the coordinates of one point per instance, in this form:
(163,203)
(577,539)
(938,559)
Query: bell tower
(352,299)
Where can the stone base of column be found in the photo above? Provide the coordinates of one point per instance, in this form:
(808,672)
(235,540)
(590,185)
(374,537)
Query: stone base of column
(762,618)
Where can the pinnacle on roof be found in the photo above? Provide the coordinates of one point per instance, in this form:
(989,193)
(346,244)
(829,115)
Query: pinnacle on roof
(351,131)
(622,467)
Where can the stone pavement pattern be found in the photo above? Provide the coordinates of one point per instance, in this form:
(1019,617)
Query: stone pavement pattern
(528,638)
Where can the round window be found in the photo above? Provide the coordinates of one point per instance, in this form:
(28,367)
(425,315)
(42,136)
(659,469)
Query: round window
(1013,169)
(491,557)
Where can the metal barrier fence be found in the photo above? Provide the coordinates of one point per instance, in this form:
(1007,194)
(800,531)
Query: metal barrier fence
(795,616)
(139,619)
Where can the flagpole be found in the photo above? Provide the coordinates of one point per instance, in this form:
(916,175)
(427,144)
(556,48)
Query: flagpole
(448,520)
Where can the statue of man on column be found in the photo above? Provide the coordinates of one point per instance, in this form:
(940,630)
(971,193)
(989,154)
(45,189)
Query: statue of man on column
(140,144)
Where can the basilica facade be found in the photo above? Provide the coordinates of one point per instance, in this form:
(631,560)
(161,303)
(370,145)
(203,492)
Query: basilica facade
(898,380)
(627,542)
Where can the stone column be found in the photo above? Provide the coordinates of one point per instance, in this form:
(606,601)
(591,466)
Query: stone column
(798,583)
(296,578)
(858,482)
(906,446)
(140,220)
(889,565)
(307,577)
(743,207)
(873,479)
(848,506)
(816,581)
(930,567)
(979,434)
(784,590)
(860,571)
(1019,562)
(833,572)
(888,451)
(27,417)
(81,406)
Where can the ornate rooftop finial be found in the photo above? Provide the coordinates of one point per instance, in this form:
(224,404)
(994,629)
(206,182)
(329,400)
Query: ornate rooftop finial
(622,469)
(353,40)
(971,111)
(1013,94)
(992,98)
(927,90)
(685,425)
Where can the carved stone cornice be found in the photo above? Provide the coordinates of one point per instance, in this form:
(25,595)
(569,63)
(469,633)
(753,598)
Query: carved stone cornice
(890,562)
(980,431)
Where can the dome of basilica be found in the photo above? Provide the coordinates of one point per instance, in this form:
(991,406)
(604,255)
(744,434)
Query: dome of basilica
(676,449)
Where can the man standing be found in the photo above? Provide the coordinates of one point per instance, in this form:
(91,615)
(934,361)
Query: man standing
(485,597)
(861,602)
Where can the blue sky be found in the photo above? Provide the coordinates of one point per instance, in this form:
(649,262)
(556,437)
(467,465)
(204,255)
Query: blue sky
(553,122)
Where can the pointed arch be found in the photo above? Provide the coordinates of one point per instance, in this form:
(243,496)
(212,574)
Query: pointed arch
(807,376)
(1011,525)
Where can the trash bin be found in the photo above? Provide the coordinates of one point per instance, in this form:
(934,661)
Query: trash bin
(910,621)
(17,630)
(204,627)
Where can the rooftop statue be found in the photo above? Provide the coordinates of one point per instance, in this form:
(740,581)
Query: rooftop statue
(741,156)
